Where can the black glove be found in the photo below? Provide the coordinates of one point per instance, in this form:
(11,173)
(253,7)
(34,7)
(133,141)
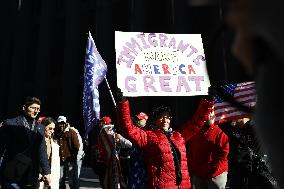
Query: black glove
(211,93)
(119,95)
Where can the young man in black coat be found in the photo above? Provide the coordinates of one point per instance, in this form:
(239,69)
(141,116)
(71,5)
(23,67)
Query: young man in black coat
(23,148)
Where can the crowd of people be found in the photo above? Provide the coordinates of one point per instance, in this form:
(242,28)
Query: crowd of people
(38,153)
(145,152)
(138,151)
(199,155)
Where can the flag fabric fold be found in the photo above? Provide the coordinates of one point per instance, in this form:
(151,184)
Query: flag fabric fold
(95,70)
(223,111)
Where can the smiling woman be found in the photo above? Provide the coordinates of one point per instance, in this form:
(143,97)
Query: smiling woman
(163,148)
(52,153)
(162,116)
(49,124)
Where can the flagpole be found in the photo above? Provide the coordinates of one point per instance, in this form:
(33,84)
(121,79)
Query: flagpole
(114,103)
(114,153)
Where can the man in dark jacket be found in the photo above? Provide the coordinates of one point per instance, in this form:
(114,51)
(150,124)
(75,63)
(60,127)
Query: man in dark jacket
(241,139)
(22,138)
(249,168)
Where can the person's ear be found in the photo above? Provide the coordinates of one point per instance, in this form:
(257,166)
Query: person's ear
(24,107)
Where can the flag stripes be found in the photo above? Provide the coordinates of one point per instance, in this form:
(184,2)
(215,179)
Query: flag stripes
(223,111)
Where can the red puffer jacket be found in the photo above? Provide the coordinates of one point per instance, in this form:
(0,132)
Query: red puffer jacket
(208,153)
(157,149)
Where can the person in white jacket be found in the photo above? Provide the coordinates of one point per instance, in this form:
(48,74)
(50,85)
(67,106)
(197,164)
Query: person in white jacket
(52,153)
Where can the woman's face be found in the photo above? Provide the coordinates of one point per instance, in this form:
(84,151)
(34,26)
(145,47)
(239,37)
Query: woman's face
(142,123)
(163,122)
(49,130)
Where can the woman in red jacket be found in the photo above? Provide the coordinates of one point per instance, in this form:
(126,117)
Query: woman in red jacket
(164,150)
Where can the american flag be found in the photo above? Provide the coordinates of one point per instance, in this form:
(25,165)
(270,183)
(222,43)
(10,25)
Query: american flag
(94,72)
(223,111)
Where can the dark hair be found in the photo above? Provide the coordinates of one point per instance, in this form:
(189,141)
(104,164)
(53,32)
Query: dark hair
(48,120)
(161,111)
(32,100)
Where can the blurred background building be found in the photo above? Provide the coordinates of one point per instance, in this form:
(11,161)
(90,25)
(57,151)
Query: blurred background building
(43,42)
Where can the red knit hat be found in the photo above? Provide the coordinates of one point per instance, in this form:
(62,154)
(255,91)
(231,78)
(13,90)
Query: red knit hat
(106,119)
(142,115)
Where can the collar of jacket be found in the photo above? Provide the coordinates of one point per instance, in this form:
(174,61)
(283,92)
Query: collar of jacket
(67,128)
(168,132)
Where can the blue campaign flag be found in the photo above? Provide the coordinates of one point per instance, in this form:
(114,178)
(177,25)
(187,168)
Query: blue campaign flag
(94,73)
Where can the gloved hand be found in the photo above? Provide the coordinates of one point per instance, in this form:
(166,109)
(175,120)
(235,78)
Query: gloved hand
(211,93)
(119,95)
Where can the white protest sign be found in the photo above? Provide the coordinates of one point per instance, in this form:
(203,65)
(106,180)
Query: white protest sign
(159,64)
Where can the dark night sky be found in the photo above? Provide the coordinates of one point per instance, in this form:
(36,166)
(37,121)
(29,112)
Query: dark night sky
(42,49)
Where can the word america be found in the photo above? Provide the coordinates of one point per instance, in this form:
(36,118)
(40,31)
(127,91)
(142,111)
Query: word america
(164,69)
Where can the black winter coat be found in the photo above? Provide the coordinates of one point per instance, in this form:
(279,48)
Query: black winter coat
(16,136)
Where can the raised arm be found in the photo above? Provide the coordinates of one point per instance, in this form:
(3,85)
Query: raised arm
(122,142)
(193,126)
(136,135)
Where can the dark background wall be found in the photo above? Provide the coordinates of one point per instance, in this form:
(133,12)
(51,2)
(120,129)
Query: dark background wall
(42,49)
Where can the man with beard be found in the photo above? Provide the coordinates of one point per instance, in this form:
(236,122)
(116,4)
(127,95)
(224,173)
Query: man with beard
(69,147)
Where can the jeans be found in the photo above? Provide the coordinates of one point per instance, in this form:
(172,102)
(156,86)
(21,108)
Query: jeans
(79,165)
(69,168)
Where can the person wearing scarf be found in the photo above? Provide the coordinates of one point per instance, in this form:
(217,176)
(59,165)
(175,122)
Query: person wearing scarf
(164,150)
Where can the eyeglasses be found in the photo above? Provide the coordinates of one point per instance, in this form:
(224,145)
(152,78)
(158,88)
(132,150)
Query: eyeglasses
(50,128)
(35,108)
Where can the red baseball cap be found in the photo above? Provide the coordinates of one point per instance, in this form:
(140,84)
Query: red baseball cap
(106,119)
(40,119)
(142,115)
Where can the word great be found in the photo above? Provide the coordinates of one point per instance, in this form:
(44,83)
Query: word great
(164,83)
